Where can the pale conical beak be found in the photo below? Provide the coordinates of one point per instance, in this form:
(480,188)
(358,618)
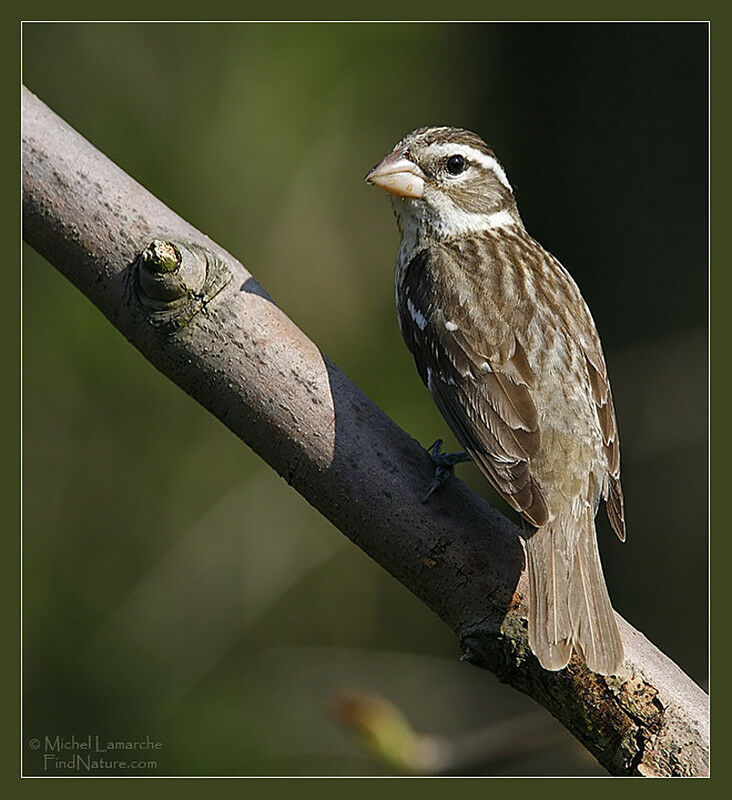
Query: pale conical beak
(398,175)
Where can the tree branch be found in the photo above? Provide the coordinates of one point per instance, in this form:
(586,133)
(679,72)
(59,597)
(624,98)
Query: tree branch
(202,320)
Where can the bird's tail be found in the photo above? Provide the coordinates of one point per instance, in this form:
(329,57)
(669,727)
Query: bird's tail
(568,601)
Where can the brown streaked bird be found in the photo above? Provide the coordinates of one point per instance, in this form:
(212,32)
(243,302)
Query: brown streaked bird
(507,348)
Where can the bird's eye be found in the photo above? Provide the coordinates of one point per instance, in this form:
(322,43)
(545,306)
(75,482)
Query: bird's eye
(455,165)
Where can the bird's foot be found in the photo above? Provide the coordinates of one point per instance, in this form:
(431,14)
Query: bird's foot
(444,466)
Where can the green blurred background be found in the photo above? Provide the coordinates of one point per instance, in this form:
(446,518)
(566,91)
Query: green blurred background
(173,584)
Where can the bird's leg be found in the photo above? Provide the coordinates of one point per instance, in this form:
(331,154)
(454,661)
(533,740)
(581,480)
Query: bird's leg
(444,466)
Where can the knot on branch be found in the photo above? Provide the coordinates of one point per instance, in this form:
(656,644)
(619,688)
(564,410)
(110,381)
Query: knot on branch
(174,281)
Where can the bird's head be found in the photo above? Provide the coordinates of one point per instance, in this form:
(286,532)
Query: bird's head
(446,181)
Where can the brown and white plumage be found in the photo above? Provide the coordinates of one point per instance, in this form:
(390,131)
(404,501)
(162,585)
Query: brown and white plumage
(509,352)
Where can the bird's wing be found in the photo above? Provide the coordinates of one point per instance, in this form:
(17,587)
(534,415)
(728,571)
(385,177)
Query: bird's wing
(603,398)
(585,333)
(481,386)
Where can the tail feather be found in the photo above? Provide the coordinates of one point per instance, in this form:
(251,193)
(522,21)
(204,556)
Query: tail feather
(568,601)
(596,633)
(550,627)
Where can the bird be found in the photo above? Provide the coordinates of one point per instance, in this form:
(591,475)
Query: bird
(508,349)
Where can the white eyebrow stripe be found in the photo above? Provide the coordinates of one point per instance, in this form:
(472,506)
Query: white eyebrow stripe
(472,154)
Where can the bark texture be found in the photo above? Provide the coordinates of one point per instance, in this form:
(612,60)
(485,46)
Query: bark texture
(199,316)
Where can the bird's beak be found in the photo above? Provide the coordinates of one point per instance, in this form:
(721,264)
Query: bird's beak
(398,175)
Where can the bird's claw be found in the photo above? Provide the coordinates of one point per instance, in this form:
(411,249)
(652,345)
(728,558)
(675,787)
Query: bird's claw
(444,466)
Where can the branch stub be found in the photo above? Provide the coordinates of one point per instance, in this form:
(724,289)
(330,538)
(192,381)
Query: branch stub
(174,281)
